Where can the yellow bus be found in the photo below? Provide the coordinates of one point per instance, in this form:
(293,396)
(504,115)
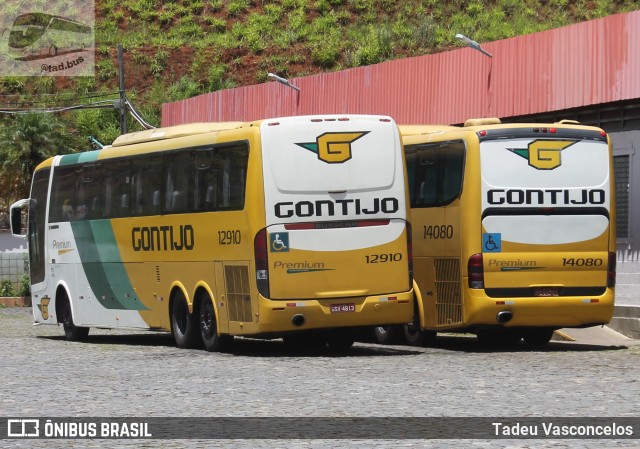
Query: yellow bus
(292,227)
(513,230)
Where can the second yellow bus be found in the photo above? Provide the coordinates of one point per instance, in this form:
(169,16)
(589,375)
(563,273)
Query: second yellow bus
(513,230)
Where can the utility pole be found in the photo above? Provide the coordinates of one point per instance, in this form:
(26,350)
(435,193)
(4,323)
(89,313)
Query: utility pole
(123,100)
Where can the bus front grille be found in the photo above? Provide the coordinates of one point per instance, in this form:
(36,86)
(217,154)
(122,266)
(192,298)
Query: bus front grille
(448,298)
(238,294)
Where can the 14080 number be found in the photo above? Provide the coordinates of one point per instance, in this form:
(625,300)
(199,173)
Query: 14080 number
(438,232)
(580,262)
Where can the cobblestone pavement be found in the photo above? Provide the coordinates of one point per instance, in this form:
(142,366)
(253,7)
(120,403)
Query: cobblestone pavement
(121,373)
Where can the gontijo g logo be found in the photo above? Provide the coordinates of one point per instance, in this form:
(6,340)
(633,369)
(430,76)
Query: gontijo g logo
(333,148)
(543,154)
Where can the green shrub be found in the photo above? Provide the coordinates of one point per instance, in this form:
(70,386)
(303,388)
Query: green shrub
(424,33)
(216,5)
(216,24)
(6,288)
(327,53)
(165,17)
(216,77)
(238,7)
(375,46)
(159,62)
(106,70)
(25,280)
(295,4)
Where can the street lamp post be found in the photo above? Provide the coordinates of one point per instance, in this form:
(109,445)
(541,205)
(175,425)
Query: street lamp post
(282,80)
(476,46)
(473,44)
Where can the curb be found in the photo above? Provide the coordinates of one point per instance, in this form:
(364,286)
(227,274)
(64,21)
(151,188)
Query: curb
(15,301)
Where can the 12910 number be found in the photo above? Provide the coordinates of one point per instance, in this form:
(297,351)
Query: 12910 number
(229,237)
(382,258)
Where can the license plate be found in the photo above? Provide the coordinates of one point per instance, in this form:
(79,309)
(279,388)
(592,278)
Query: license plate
(341,308)
(545,291)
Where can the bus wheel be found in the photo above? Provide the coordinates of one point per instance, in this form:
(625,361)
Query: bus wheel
(416,336)
(537,337)
(184,325)
(213,342)
(71,331)
(388,335)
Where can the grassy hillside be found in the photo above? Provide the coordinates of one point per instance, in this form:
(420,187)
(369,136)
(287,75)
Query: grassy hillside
(181,49)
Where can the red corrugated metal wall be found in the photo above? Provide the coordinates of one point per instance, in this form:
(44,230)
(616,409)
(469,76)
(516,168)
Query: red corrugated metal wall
(584,64)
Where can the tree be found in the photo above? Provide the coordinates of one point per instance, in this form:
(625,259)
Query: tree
(26,142)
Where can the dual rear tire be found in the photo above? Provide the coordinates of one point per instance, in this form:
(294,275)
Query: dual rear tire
(191,330)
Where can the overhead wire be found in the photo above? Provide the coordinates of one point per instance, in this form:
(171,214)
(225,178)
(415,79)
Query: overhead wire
(95,105)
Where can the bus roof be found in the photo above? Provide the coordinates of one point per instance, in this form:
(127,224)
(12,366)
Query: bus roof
(173,132)
(475,125)
(415,130)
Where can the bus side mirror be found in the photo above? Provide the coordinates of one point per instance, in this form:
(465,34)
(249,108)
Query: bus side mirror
(16,217)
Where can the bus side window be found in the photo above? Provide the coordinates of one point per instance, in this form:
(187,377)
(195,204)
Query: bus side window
(178,176)
(435,173)
(146,186)
(204,183)
(90,205)
(410,159)
(155,209)
(64,192)
(118,187)
(427,172)
(232,166)
(210,197)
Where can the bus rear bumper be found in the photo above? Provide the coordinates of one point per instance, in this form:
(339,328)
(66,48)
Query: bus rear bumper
(552,311)
(285,316)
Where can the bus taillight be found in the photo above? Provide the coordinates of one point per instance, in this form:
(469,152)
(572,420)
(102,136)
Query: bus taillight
(611,271)
(262,262)
(476,271)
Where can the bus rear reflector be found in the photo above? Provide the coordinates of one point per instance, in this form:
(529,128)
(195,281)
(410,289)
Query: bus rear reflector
(262,262)
(475,270)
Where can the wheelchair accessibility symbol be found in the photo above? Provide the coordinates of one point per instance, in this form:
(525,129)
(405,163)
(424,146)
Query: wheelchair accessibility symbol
(491,243)
(279,242)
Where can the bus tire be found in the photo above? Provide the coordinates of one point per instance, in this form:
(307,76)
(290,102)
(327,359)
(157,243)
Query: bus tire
(71,331)
(416,336)
(184,325)
(537,337)
(388,335)
(212,341)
